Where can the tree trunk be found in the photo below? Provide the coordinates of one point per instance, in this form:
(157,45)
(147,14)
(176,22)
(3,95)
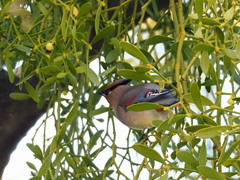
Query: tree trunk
(16,118)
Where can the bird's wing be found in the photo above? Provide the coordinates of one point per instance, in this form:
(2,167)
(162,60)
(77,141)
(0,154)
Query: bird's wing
(165,98)
(147,93)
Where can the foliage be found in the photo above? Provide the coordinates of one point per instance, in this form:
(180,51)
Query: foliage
(57,41)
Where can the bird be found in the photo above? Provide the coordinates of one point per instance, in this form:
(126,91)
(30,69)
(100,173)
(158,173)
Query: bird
(120,95)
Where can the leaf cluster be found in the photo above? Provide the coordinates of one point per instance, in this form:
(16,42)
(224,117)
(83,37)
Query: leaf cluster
(76,47)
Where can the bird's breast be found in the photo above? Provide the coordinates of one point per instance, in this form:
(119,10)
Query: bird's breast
(142,119)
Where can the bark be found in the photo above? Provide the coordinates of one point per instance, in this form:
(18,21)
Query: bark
(16,118)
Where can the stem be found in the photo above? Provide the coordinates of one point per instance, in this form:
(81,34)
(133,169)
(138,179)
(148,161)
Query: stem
(140,169)
(144,8)
(174,15)
(190,65)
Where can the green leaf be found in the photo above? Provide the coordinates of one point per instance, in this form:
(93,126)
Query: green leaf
(79,70)
(233,73)
(54,144)
(168,123)
(85,9)
(193,16)
(90,73)
(124,65)
(97,19)
(42,8)
(31,92)
(31,165)
(198,33)
(196,96)
(71,162)
(112,56)
(132,50)
(205,101)
(230,162)
(210,21)
(148,152)
(165,125)
(203,47)
(72,114)
(212,73)
(211,132)
(45,166)
(95,138)
(236,99)
(229,53)
(99,111)
(19,96)
(210,3)
(199,8)
(229,14)
(144,106)
(202,154)
(51,70)
(10,71)
(59,157)
(148,56)
(71,67)
(153,40)
(238,50)
(131,74)
(164,176)
(108,71)
(177,118)
(208,120)
(89,162)
(61,75)
(219,33)
(209,173)
(36,150)
(142,69)
(104,33)
(22,48)
(204,62)
(227,62)
(188,158)
(165,143)
(196,127)
(116,44)
(225,155)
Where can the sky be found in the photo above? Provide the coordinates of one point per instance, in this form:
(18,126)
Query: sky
(17,168)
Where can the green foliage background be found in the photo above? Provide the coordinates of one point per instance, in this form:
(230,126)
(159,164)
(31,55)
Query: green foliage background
(201,53)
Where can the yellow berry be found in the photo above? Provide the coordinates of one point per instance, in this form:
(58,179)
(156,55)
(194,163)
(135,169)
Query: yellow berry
(75,11)
(65,93)
(189,115)
(218,93)
(49,46)
(101,3)
(230,101)
(167,167)
(217,49)
(37,71)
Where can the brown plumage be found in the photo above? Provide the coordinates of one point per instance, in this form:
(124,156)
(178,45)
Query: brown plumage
(120,95)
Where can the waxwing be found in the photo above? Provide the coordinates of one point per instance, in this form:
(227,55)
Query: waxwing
(120,96)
